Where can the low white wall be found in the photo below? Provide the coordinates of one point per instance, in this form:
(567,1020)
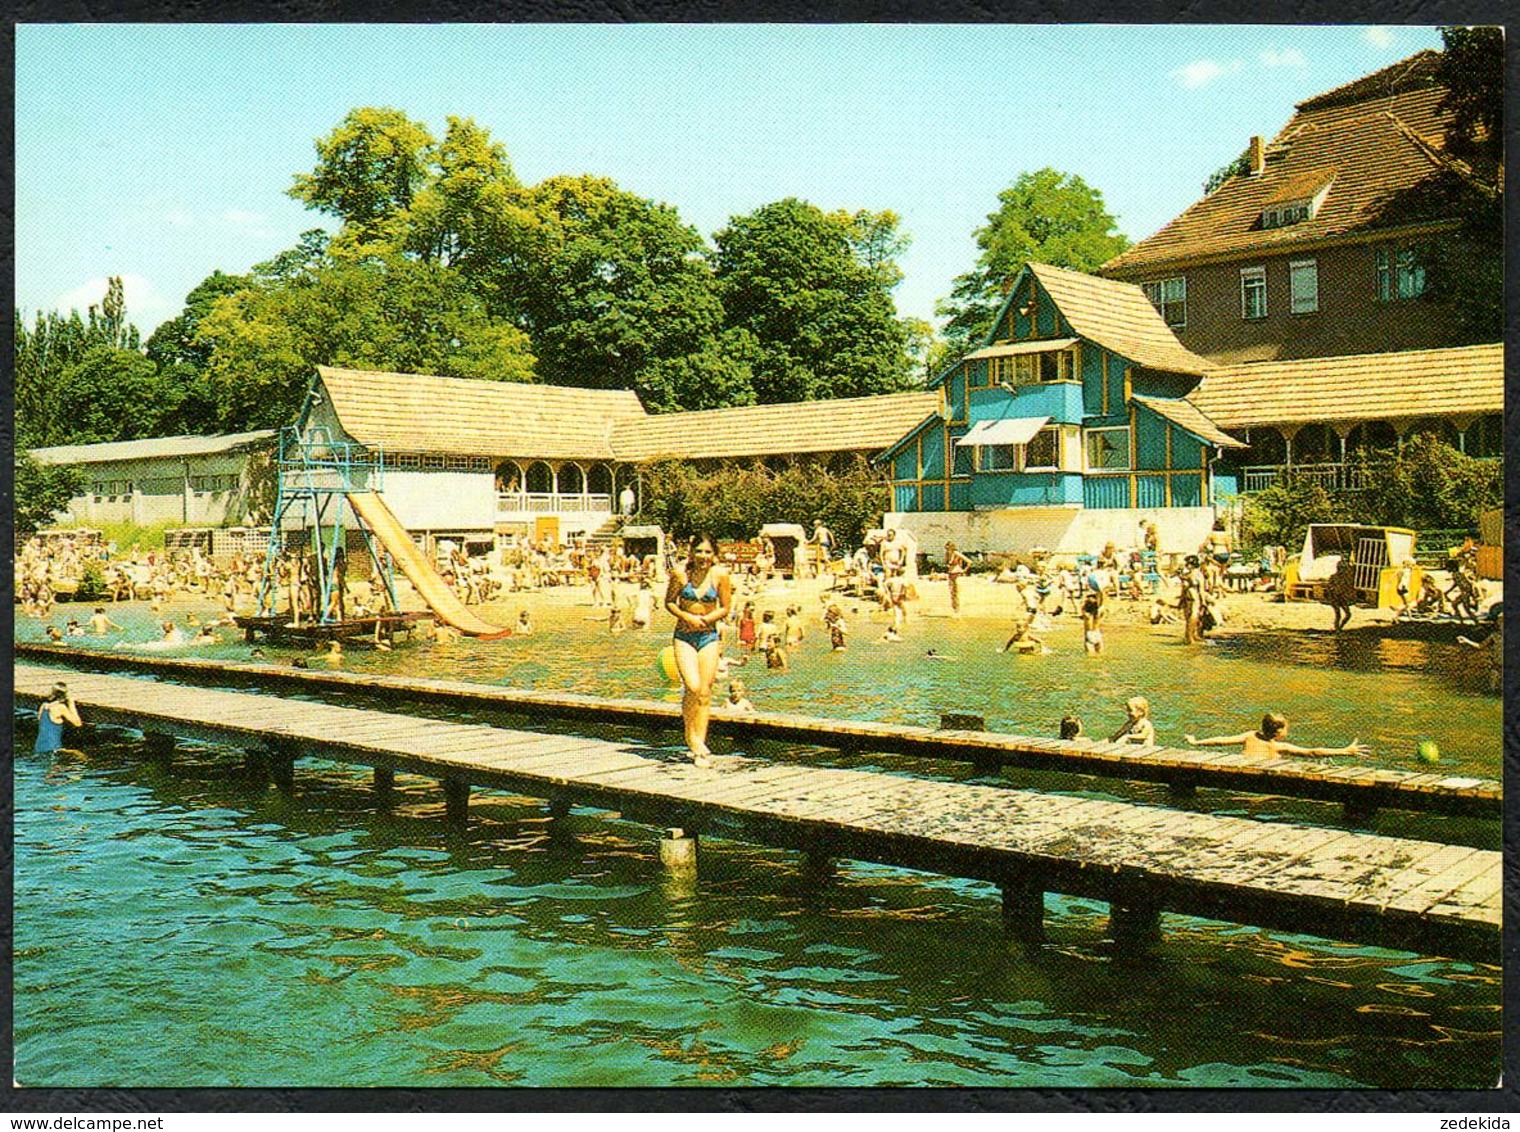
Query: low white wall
(442,500)
(1064,531)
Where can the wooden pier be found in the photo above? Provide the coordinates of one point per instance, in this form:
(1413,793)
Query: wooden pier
(1360,788)
(1391,892)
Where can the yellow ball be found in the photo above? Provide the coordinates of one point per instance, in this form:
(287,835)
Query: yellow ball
(1428,752)
(667,664)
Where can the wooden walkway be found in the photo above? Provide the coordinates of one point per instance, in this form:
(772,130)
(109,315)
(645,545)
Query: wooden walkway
(1362,789)
(1393,892)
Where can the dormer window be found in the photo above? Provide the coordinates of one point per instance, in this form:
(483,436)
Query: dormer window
(1280,216)
(1297,199)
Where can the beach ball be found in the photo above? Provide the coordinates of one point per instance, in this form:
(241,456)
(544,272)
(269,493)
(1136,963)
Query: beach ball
(667,664)
(1428,752)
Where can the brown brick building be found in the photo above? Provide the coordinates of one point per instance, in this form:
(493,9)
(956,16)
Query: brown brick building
(1310,251)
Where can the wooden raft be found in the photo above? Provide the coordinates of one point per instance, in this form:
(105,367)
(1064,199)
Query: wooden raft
(1360,787)
(1393,892)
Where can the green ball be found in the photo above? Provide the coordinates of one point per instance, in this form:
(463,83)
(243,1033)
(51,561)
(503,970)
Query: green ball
(1428,751)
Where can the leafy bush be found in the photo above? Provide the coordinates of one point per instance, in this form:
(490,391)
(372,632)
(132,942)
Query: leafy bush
(92,584)
(733,501)
(1281,514)
(1428,486)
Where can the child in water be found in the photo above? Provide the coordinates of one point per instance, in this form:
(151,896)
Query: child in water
(1071,727)
(833,620)
(1268,742)
(524,625)
(737,699)
(1137,728)
(1022,641)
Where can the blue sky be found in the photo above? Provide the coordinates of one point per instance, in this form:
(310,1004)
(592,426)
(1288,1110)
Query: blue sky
(163,152)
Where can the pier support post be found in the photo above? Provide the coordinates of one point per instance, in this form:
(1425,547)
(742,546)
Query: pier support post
(456,800)
(1134,926)
(559,810)
(282,770)
(1024,911)
(817,868)
(385,785)
(678,853)
(160,746)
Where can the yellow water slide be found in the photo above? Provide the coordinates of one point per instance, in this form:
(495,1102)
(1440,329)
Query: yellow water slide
(383,523)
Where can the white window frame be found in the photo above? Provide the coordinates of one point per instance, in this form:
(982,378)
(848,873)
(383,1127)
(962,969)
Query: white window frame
(1158,292)
(1394,265)
(1295,268)
(1089,433)
(1253,279)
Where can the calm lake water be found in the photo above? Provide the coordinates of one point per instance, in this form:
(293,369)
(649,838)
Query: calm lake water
(185,927)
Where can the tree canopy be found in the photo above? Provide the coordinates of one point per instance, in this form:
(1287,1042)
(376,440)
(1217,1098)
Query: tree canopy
(814,291)
(1044,217)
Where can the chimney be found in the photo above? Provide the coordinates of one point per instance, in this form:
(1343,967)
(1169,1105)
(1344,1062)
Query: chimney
(1258,156)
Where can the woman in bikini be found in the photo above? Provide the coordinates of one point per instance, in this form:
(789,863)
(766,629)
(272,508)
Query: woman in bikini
(698,596)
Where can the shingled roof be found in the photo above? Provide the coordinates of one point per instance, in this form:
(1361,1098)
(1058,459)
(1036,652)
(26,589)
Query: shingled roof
(1378,137)
(151,448)
(1119,316)
(410,412)
(1461,380)
(845,424)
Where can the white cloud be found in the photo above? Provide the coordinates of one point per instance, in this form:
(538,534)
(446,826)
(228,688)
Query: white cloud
(181,218)
(1291,57)
(146,307)
(1201,72)
(250,223)
(1379,37)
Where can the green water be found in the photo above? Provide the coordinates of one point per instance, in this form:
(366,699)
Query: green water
(187,926)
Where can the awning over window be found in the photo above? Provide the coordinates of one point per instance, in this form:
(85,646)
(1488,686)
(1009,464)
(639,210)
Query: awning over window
(1008,349)
(1013,430)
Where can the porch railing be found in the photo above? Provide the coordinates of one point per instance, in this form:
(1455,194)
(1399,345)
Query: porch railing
(543,502)
(1331,477)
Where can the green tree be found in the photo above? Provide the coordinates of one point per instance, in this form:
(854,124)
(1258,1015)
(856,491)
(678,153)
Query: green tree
(1044,217)
(45,355)
(1471,68)
(1237,168)
(369,169)
(114,394)
(1465,268)
(455,218)
(41,491)
(182,360)
(379,313)
(814,290)
(1281,514)
(732,502)
(615,292)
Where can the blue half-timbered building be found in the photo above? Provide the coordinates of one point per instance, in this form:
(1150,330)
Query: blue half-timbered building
(1069,427)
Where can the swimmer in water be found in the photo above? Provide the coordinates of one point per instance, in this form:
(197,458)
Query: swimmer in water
(1071,727)
(1137,727)
(932,655)
(737,699)
(1268,741)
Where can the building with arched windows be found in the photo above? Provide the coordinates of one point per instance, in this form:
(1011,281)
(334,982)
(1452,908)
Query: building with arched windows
(468,458)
